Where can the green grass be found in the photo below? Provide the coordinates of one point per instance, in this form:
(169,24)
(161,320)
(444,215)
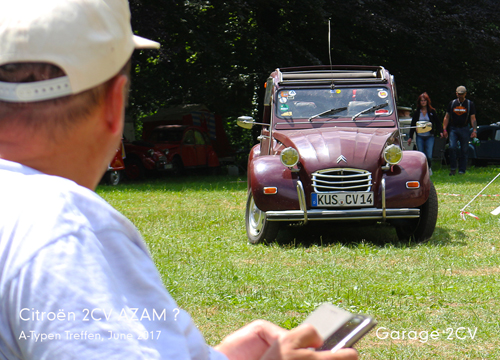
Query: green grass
(194,227)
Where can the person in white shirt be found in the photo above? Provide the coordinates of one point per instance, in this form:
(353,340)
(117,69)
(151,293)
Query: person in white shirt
(76,279)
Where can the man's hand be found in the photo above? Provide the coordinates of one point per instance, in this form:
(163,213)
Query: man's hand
(409,141)
(264,340)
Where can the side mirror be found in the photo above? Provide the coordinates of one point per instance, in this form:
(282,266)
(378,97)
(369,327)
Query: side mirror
(246,122)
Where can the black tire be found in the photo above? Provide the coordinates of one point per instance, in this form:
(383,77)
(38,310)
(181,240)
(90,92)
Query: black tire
(112,177)
(258,228)
(134,170)
(214,171)
(422,228)
(479,162)
(177,167)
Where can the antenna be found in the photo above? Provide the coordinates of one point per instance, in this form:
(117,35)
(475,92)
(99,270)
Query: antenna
(330,52)
(329,44)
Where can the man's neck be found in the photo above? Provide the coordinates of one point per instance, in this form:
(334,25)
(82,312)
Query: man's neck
(70,157)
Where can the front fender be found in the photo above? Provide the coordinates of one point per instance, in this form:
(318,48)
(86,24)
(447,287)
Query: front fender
(148,163)
(268,171)
(413,167)
(254,153)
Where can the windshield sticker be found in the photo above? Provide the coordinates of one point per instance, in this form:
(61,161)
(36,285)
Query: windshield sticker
(292,93)
(336,91)
(284,107)
(383,94)
(284,94)
(288,113)
(382,111)
(283,100)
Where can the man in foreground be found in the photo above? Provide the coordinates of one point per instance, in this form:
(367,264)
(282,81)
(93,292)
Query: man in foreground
(76,279)
(457,116)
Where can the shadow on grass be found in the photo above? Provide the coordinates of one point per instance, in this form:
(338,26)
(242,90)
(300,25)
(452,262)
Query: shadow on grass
(378,235)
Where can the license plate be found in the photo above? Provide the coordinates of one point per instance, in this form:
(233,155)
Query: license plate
(342,199)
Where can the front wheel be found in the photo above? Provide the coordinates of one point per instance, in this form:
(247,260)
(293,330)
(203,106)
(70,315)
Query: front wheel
(258,228)
(134,170)
(422,228)
(177,167)
(112,177)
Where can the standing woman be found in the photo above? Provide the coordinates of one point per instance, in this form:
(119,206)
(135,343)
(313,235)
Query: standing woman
(427,124)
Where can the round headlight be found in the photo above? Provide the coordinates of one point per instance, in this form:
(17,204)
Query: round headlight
(393,154)
(166,151)
(151,152)
(289,157)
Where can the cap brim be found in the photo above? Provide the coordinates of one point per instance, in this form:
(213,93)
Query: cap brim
(143,43)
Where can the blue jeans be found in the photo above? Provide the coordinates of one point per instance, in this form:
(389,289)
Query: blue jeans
(461,135)
(425,144)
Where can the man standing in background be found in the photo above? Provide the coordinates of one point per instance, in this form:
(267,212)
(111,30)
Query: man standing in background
(457,117)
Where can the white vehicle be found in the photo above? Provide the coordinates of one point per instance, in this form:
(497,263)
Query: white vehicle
(404,125)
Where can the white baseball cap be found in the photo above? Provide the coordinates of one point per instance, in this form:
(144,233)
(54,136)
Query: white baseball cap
(90,40)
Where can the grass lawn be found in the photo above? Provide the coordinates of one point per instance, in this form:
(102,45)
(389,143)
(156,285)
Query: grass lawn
(447,288)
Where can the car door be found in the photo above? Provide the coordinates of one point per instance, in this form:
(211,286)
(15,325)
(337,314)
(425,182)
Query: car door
(489,146)
(492,147)
(201,149)
(188,150)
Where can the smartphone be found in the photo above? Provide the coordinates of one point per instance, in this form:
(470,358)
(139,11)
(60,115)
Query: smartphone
(339,328)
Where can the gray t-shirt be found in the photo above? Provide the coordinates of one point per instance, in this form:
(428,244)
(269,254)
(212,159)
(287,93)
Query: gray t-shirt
(77,281)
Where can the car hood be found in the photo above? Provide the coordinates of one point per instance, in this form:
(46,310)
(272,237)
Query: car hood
(169,146)
(337,147)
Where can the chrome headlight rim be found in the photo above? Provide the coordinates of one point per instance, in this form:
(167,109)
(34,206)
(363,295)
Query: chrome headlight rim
(289,157)
(393,154)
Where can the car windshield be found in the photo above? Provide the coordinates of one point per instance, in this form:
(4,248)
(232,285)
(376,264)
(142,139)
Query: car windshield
(320,104)
(167,135)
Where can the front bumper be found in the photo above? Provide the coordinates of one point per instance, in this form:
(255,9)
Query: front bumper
(162,164)
(305,215)
(353,214)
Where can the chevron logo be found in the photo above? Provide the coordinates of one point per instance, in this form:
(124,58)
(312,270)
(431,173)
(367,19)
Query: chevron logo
(341,158)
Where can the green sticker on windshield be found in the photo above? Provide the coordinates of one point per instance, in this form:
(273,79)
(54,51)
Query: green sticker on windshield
(284,107)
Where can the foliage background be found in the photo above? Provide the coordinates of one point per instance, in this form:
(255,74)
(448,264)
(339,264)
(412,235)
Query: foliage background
(219,53)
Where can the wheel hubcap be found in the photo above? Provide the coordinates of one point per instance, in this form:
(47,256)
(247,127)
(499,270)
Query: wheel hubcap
(255,218)
(114,177)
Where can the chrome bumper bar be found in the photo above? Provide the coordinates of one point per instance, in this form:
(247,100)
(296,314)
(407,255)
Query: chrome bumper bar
(348,214)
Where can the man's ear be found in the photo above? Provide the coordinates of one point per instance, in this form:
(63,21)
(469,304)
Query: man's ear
(115,103)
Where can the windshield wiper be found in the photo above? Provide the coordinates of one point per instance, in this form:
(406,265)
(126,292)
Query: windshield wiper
(334,111)
(374,107)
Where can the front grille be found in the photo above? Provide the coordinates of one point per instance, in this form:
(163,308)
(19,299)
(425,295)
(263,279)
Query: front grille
(341,179)
(162,161)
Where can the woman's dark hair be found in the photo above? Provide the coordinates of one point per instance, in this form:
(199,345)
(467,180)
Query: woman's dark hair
(426,97)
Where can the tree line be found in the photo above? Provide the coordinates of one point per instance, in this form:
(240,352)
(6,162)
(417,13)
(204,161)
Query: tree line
(219,53)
